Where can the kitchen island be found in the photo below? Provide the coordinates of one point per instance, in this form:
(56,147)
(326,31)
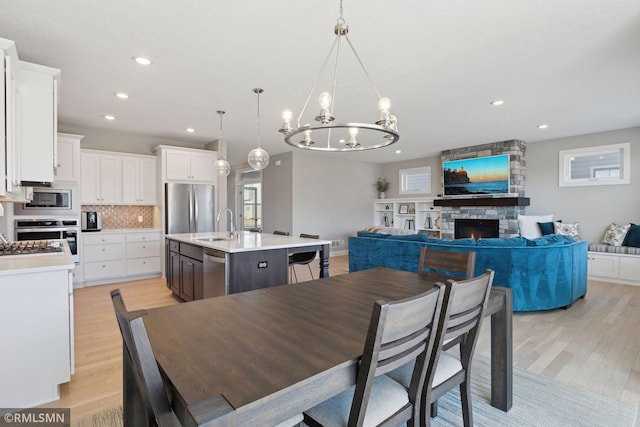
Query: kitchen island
(36,309)
(203,265)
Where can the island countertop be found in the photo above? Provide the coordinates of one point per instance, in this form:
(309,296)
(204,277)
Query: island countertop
(246,242)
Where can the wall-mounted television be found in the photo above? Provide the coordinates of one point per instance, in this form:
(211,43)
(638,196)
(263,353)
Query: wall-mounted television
(477,176)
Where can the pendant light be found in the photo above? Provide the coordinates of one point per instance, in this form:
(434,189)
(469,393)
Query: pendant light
(258,157)
(329,135)
(222,165)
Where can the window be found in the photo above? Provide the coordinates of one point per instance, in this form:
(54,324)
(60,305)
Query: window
(601,165)
(415,180)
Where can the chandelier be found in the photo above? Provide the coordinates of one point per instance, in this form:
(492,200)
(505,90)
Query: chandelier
(329,135)
(222,165)
(258,157)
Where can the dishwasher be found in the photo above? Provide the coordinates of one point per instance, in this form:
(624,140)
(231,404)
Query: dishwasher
(214,273)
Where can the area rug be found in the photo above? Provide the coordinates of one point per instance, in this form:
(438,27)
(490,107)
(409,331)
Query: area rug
(537,401)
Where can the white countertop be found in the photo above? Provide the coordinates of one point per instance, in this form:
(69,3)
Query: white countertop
(247,241)
(123,230)
(19,264)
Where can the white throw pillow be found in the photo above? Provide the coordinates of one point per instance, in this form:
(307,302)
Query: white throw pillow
(567,229)
(529,225)
(615,234)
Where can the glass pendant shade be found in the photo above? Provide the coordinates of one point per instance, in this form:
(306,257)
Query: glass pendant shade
(222,167)
(258,158)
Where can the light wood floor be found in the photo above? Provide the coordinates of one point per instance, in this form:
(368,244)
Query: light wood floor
(594,345)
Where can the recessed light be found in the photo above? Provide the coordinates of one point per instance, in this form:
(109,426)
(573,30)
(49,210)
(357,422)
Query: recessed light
(398,151)
(543,126)
(122,95)
(190,130)
(109,117)
(497,102)
(142,60)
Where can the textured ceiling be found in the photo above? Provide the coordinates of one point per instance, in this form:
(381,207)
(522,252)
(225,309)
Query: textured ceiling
(573,64)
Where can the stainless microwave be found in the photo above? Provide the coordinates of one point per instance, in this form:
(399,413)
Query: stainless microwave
(49,199)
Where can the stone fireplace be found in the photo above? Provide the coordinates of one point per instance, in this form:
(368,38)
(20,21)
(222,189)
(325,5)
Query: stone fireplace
(504,209)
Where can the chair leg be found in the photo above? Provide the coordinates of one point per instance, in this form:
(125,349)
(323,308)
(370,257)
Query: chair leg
(465,399)
(434,408)
(310,272)
(293,267)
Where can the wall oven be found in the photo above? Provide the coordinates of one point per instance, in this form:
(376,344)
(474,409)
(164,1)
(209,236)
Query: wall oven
(49,229)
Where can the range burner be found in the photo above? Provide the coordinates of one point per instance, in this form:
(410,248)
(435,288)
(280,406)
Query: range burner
(30,247)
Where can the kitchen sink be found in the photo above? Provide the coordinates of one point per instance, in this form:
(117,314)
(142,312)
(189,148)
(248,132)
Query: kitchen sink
(213,239)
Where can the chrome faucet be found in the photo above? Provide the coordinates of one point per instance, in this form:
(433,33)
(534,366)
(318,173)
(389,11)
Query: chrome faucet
(233,234)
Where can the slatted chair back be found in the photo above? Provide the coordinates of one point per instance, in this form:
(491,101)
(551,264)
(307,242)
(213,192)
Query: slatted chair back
(460,264)
(399,332)
(140,354)
(465,309)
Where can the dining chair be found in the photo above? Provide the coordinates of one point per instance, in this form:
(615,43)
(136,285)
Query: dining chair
(460,264)
(302,258)
(147,374)
(464,302)
(399,332)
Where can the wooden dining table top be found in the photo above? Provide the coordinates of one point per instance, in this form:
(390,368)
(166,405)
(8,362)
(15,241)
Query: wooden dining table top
(247,346)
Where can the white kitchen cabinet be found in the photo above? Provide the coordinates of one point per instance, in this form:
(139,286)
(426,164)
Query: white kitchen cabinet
(101,178)
(103,255)
(9,108)
(37,333)
(68,165)
(139,176)
(38,122)
(143,253)
(190,165)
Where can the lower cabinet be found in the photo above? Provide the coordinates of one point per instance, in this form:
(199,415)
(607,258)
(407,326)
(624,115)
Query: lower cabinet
(115,257)
(185,270)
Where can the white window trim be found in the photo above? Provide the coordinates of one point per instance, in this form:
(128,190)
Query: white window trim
(565,156)
(404,175)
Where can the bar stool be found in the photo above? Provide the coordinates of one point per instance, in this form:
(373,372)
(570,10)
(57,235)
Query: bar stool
(409,224)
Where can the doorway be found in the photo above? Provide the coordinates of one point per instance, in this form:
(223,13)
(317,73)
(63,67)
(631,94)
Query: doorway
(250,200)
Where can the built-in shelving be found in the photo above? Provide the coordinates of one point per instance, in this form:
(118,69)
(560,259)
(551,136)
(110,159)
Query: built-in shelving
(417,214)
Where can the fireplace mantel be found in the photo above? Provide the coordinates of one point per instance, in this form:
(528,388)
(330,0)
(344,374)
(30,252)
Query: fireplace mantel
(483,201)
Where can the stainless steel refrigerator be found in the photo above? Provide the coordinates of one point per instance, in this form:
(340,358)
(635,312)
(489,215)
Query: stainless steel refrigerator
(190,208)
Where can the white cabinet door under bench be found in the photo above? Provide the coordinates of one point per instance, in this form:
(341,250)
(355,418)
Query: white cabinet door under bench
(619,268)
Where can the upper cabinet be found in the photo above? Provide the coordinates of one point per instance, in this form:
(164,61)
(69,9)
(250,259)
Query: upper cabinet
(28,121)
(139,176)
(110,178)
(188,165)
(101,178)
(38,122)
(68,165)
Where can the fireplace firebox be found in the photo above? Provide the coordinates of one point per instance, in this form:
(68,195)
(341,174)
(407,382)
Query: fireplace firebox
(476,228)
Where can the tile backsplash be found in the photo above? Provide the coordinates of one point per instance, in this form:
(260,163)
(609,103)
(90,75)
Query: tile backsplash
(118,217)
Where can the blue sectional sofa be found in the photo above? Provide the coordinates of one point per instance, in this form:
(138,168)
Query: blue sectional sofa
(544,273)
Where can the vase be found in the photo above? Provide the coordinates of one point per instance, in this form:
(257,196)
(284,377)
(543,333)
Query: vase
(381,195)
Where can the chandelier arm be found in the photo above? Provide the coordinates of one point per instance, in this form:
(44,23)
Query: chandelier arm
(362,66)
(324,65)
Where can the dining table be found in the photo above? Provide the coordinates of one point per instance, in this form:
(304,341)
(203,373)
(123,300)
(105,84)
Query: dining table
(257,358)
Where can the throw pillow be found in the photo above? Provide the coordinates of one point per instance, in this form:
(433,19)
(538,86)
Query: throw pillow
(633,236)
(547,227)
(529,225)
(614,235)
(569,229)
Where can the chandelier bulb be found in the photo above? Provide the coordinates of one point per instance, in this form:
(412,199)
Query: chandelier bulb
(287,115)
(384,104)
(325,100)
